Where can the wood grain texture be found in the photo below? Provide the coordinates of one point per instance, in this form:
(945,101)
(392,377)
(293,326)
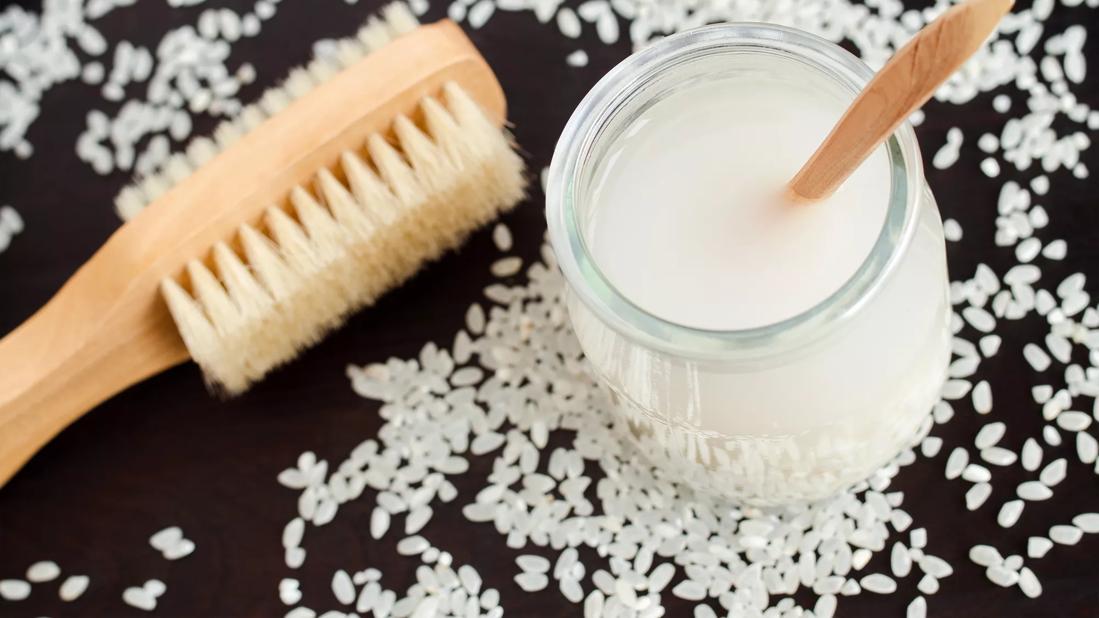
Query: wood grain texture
(901,87)
(164,452)
(107,328)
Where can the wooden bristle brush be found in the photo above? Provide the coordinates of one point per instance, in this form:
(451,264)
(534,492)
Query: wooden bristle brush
(335,194)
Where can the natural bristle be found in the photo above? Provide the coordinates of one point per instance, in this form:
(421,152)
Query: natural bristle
(341,244)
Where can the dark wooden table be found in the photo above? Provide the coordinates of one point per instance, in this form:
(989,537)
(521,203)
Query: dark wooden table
(166,453)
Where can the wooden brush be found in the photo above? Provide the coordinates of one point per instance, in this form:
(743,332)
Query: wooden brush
(346,182)
(904,84)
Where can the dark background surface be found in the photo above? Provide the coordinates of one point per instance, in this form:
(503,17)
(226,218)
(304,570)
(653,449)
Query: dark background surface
(165,453)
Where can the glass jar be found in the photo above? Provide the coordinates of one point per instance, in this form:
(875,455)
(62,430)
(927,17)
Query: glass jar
(792,411)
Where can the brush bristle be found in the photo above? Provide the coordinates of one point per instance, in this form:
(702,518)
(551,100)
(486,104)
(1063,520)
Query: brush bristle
(345,243)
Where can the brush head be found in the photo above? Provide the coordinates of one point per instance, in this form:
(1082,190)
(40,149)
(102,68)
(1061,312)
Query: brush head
(380,206)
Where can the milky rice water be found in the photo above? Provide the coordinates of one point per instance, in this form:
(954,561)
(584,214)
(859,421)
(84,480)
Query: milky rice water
(763,351)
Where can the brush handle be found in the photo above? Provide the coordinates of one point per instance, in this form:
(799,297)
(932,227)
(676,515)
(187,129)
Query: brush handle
(905,83)
(101,333)
(107,328)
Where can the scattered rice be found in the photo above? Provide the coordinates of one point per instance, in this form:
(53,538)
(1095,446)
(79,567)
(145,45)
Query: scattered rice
(998,456)
(977,495)
(506,267)
(1033,491)
(1038,546)
(947,155)
(531,582)
(956,462)
(14,589)
(1036,356)
(878,584)
(533,564)
(1054,472)
(985,555)
(578,58)
(1010,513)
(1065,534)
(989,435)
(1029,584)
(501,234)
(1001,576)
(44,571)
(343,588)
(1032,455)
(1087,448)
(73,587)
(952,230)
(990,167)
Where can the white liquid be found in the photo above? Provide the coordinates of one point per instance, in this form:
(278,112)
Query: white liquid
(690,224)
(682,220)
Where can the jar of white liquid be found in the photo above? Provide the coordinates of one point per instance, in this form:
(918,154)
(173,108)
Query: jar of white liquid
(763,351)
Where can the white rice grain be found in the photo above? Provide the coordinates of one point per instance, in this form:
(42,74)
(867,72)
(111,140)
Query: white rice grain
(947,155)
(1009,513)
(917,608)
(989,345)
(976,473)
(1036,357)
(568,23)
(531,582)
(180,550)
(1033,491)
(533,564)
(506,267)
(989,435)
(689,590)
(1087,448)
(166,538)
(900,562)
(1001,576)
(139,598)
(878,584)
(501,235)
(73,587)
(985,555)
(379,522)
(412,546)
(998,456)
(480,13)
(956,462)
(990,167)
(1055,250)
(343,588)
(1073,421)
(976,496)
(1038,546)
(1054,472)
(1029,584)
(14,589)
(1064,534)
(43,571)
(952,230)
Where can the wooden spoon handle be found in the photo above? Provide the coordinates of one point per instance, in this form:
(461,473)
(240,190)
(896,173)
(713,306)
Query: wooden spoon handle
(905,83)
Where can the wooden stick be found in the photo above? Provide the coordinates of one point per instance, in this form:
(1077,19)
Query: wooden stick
(905,83)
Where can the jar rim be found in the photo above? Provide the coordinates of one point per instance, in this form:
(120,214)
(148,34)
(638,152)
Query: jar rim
(600,106)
